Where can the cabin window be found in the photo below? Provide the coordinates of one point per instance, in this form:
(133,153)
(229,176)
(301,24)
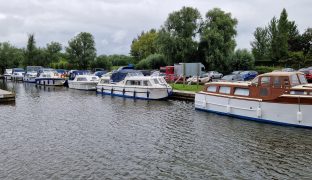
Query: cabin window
(156,81)
(298,92)
(302,79)
(162,80)
(82,79)
(94,78)
(133,83)
(265,81)
(225,90)
(147,83)
(241,92)
(105,81)
(294,80)
(277,83)
(255,81)
(212,89)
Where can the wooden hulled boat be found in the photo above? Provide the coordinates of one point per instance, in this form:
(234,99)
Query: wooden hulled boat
(277,97)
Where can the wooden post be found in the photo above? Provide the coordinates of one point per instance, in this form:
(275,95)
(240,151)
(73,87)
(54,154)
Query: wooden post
(183,66)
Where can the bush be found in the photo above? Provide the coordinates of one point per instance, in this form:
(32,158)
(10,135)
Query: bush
(265,69)
(154,61)
(102,62)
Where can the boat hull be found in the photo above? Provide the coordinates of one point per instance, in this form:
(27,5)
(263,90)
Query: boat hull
(50,81)
(29,80)
(7,77)
(134,92)
(17,78)
(270,112)
(89,86)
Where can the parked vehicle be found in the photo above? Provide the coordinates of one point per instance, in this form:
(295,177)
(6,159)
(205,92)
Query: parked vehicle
(201,79)
(236,72)
(307,73)
(18,74)
(232,78)
(279,97)
(215,74)
(248,75)
(288,70)
(136,86)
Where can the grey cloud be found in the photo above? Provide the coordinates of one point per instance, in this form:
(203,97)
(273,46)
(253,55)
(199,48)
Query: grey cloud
(114,23)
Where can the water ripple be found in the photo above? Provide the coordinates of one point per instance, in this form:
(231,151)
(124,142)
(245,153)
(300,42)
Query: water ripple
(59,133)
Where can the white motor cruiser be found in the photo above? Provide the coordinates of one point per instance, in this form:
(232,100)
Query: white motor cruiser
(140,87)
(8,74)
(18,74)
(31,74)
(49,77)
(84,82)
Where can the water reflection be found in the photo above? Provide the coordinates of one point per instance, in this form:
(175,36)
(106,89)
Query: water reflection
(60,133)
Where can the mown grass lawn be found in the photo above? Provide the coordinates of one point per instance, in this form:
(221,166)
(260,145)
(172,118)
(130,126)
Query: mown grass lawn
(186,87)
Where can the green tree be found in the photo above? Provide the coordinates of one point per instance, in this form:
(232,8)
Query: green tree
(53,50)
(176,39)
(242,60)
(10,56)
(81,50)
(261,44)
(153,61)
(283,35)
(30,51)
(218,39)
(120,60)
(102,61)
(273,34)
(306,42)
(144,45)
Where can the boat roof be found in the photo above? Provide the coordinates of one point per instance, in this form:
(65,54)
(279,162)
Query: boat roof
(231,83)
(280,73)
(142,77)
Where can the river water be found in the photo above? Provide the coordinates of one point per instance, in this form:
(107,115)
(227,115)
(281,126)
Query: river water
(60,133)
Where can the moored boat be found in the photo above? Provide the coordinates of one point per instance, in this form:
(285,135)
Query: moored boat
(84,82)
(277,97)
(49,77)
(139,87)
(31,74)
(8,74)
(18,74)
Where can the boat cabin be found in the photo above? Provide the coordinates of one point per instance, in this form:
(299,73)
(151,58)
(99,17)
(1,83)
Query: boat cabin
(267,86)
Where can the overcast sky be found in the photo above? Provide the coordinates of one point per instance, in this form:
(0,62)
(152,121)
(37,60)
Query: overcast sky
(114,23)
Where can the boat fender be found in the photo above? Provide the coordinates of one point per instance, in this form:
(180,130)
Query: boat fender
(299,116)
(134,94)
(112,91)
(147,94)
(259,112)
(228,108)
(123,91)
(102,90)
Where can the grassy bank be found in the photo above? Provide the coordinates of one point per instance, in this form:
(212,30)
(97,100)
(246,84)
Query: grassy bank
(186,87)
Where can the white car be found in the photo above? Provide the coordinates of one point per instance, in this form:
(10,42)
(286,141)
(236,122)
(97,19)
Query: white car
(204,79)
(215,74)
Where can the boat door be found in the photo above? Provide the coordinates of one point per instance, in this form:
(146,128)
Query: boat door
(265,85)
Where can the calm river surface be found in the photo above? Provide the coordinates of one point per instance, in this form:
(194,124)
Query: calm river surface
(60,133)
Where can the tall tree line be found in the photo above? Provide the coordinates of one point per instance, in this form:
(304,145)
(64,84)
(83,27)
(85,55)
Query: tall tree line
(280,43)
(188,37)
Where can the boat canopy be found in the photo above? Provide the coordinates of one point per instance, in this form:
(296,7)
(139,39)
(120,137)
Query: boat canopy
(120,75)
(33,68)
(73,74)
